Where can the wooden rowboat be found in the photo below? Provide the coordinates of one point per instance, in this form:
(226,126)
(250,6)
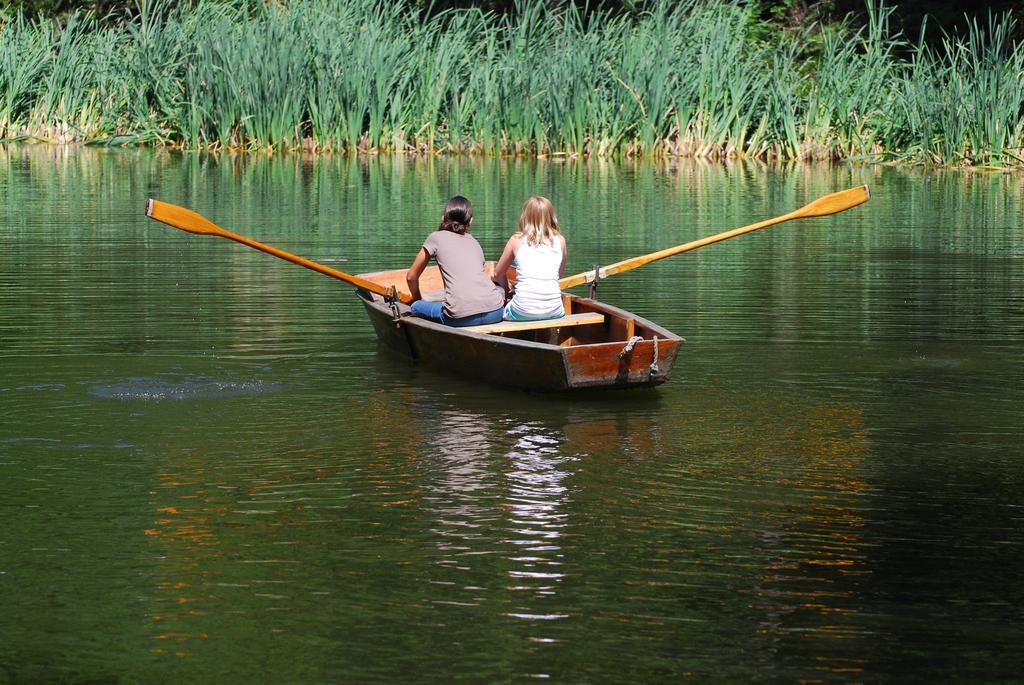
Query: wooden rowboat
(594,346)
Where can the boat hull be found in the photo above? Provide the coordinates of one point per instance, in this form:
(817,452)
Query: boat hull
(552,359)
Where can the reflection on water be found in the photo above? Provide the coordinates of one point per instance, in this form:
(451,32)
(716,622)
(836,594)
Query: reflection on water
(498,488)
(814,558)
(538,498)
(185,539)
(209,472)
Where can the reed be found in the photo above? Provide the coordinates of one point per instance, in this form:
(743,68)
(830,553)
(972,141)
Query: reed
(965,100)
(23,58)
(693,78)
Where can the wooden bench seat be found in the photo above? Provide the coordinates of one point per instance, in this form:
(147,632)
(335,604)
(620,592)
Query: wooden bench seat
(510,326)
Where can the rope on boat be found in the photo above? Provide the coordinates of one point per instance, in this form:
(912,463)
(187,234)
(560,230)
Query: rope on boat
(629,345)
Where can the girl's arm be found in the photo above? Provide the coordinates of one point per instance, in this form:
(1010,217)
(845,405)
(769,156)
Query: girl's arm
(412,276)
(501,268)
(561,268)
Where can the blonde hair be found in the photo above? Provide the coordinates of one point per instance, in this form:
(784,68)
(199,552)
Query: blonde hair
(537,221)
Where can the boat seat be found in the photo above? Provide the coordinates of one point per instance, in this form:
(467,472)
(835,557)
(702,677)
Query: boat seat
(562,322)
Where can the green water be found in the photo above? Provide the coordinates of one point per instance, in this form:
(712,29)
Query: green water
(210,473)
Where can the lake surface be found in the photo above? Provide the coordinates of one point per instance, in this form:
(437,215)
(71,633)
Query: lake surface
(210,473)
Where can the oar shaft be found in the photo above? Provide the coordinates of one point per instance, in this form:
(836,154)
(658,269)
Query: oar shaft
(309,264)
(823,206)
(627,264)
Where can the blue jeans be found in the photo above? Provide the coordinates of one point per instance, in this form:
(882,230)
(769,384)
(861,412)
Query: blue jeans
(434,311)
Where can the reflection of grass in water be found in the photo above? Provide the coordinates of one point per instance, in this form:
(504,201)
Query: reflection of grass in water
(682,79)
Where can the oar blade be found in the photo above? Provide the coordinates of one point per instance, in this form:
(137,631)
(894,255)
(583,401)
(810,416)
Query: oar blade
(182,218)
(833,203)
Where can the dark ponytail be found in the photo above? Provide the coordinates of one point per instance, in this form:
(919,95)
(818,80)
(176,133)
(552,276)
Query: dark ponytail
(458,212)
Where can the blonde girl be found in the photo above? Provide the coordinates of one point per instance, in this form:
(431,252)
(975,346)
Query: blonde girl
(538,252)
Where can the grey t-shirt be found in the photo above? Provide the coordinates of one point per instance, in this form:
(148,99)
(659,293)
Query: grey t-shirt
(467,289)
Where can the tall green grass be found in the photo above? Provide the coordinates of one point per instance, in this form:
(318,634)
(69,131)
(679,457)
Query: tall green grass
(690,78)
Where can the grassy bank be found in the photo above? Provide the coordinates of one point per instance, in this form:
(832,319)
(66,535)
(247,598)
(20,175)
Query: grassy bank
(695,78)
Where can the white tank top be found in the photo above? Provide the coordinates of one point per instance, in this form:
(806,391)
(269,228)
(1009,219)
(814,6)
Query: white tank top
(537,293)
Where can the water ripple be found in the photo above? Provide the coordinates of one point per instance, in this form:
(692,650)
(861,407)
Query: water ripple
(154,389)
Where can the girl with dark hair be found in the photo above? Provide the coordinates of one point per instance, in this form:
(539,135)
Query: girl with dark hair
(470,296)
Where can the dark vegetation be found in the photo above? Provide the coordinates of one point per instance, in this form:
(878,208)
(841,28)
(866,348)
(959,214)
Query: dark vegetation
(792,79)
(949,15)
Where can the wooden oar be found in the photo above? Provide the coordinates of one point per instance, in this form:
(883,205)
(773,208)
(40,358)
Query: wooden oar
(190,221)
(823,206)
